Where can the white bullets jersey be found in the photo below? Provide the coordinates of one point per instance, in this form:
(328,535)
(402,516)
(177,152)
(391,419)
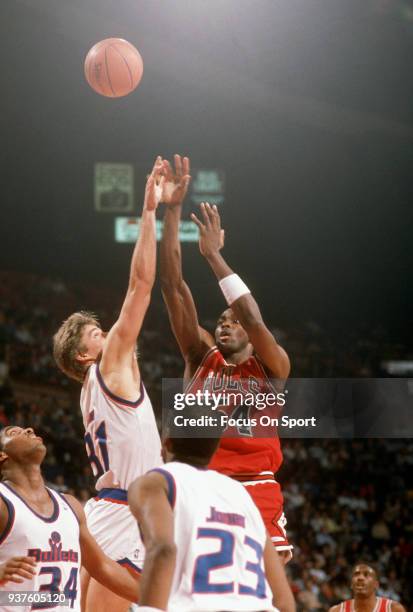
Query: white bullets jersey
(54,544)
(220,539)
(122,439)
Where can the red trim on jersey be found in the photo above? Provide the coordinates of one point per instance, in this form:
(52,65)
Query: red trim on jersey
(252,477)
(385,604)
(348,605)
(111,500)
(116,398)
(115,496)
(134,569)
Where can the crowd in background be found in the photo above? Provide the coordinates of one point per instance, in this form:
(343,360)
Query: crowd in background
(345,500)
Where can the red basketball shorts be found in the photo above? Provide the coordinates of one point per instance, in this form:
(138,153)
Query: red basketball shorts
(269,500)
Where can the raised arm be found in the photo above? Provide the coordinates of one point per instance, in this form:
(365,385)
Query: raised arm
(245,307)
(103,569)
(148,502)
(192,339)
(121,340)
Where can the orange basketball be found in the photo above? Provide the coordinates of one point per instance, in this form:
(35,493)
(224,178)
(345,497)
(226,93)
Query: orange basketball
(113,67)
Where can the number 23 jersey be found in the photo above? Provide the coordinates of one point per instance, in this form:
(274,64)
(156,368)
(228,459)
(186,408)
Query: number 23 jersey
(220,539)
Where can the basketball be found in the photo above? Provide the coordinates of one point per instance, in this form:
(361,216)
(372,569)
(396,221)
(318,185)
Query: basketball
(113,67)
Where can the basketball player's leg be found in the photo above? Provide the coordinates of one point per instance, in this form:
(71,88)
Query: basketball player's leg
(270,502)
(102,599)
(115,530)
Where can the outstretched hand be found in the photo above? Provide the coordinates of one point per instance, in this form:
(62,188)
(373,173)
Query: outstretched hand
(155,185)
(211,235)
(176,183)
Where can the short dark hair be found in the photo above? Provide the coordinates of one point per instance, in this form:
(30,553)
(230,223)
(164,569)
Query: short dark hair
(189,449)
(369,564)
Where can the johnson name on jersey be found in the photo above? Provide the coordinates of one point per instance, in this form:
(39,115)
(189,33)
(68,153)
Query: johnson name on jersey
(220,539)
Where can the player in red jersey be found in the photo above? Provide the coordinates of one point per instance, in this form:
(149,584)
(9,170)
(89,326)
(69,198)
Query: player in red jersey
(364,584)
(243,349)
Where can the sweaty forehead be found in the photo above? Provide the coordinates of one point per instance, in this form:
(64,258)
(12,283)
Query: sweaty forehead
(364,569)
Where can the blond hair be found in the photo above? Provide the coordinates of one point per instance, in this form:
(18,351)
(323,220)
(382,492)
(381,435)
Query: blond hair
(67,344)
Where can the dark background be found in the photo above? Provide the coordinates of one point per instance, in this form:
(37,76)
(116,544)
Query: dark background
(305,104)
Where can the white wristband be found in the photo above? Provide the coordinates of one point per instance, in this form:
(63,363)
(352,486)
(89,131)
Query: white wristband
(233,288)
(148,609)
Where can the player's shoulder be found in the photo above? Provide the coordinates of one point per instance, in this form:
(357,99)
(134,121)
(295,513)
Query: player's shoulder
(396,606)
(335,608)
(75,505)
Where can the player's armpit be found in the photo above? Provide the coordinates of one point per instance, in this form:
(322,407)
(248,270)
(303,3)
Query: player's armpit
(397,607)
(148,501)
(282,596)
(103,569)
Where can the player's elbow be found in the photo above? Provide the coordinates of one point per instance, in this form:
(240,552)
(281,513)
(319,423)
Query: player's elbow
(161,551)
(170,282)
(285,603)
(252,323)
(141,286)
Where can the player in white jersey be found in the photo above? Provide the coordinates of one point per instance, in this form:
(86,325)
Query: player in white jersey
(43,535)
(207,549)
(122,439)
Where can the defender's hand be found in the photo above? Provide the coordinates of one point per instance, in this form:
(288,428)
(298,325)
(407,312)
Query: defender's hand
(17,569)
(176,183)
(154,185)
(211,236)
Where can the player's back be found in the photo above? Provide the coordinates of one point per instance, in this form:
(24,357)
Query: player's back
(220,539)
(122,438)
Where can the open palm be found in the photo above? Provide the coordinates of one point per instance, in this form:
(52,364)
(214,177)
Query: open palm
(176,183)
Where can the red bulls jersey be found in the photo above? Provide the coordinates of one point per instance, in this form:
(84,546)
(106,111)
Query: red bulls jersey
(242,453)
(382,605)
